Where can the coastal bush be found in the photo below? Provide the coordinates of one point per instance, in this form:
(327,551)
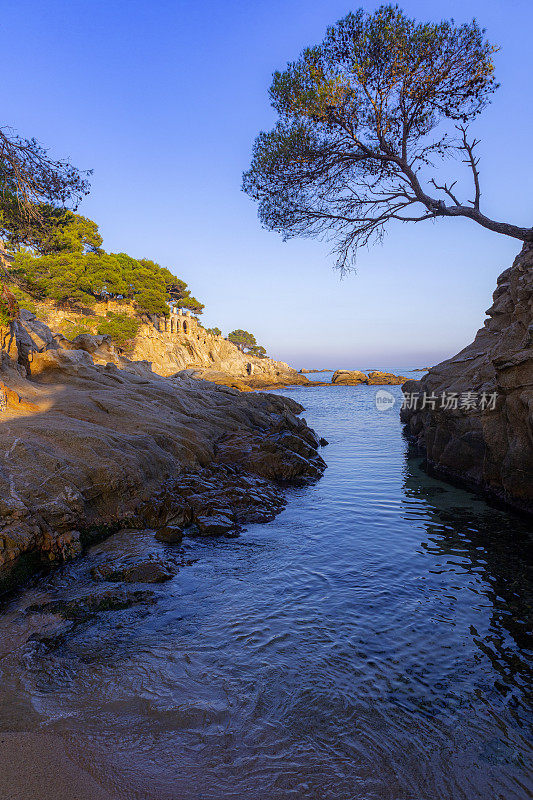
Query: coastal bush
(70,328)
(246,343)
(121,327)
(24,299)
(9,309)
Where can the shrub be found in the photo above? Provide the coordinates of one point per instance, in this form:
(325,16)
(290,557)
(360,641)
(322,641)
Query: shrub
(72,328)
(24,299)
(122,328)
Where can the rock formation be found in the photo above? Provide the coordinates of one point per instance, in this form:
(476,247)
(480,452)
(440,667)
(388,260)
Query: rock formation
(309,371)
(483,436)
(178,342)
(91,441)
(346,377)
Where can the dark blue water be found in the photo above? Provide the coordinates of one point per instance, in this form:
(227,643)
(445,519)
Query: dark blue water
(370,643)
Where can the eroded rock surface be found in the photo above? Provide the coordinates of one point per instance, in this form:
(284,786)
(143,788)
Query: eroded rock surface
(486,447)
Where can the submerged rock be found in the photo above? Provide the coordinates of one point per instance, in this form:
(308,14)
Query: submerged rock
(482,433)
(149,571)
(79,608)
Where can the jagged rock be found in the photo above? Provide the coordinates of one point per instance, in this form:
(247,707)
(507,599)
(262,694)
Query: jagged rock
(273,456)
(378,378)
(490,448)
(214,525)
(169,534)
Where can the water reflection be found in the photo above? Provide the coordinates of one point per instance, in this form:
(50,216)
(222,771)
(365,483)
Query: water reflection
(498,548)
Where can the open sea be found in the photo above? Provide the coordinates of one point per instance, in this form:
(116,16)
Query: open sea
(371,643)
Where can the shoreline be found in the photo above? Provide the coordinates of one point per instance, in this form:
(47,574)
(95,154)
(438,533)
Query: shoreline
(88,449)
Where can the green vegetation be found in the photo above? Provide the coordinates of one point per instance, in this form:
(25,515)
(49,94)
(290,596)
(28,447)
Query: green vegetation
(190,302)
(367,119)
(58,254)
(24,299)
(81,279)
(57,231)
(70,328)
(246,343)
(121,327)
(214,331)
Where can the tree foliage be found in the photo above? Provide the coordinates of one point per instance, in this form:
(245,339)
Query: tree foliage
(84,278)
(243,339)
(29,176)
(29,179)
(58,229)
(364,120)
(214,331)
(121,327)
(190,302)
(246,342)
(58,252)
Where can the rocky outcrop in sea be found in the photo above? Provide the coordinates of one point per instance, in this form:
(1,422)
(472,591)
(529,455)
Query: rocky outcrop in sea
(346,377)
(473,415)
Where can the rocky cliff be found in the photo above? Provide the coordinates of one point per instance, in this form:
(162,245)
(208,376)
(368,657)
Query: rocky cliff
(91,441)
(178,343)
(482,432)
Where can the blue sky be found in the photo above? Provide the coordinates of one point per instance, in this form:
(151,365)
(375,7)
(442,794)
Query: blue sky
(164,99)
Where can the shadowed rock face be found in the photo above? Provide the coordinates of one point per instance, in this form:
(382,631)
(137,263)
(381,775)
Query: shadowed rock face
(87,448)
(491,449)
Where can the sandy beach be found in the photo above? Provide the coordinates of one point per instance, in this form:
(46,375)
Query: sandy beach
(35,766)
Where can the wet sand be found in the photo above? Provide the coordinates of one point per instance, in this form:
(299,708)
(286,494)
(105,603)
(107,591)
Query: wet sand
(35,766)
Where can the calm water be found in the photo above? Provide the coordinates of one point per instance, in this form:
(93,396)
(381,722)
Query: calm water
(370,644)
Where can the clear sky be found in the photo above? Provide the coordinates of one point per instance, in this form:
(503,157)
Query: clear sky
(163,99)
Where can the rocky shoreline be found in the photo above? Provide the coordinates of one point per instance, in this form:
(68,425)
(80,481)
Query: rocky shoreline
(87,448)
(483,436)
